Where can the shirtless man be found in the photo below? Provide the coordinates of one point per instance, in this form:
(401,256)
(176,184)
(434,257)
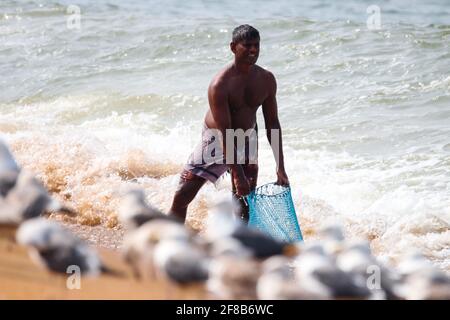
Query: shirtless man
(235,95)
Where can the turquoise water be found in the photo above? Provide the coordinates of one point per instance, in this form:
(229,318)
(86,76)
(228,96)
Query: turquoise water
(365,112)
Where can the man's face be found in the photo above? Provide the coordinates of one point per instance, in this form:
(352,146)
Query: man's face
(246,51)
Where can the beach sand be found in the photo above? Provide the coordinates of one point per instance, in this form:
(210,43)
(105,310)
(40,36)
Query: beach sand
(20,278)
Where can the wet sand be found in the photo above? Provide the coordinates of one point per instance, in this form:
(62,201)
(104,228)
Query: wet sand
(99,236)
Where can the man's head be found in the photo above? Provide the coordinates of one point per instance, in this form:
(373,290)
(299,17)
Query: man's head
(245,44)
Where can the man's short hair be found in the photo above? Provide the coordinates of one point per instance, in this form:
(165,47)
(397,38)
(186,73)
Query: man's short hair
(244,32)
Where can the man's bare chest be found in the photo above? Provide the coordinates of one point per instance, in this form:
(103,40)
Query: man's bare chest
(249,95)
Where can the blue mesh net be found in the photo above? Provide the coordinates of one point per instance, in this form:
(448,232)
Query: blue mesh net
(272,211)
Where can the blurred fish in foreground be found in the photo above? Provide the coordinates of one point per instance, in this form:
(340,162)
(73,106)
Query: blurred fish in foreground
(57,249)
(22,196)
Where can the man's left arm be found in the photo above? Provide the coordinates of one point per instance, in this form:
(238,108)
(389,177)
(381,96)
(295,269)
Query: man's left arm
(273,129)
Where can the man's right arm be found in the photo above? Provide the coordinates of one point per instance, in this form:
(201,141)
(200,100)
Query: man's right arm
(218,103)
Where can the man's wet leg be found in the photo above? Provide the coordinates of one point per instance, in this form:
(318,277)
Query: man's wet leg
(186,192)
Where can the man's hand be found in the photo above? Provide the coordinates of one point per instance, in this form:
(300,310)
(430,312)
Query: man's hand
(241,183)
(282,178)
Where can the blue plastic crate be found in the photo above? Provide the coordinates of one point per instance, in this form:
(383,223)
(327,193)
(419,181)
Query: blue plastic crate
(272,211)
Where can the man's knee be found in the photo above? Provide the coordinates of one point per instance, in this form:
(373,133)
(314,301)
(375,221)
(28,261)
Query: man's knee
(188,188)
